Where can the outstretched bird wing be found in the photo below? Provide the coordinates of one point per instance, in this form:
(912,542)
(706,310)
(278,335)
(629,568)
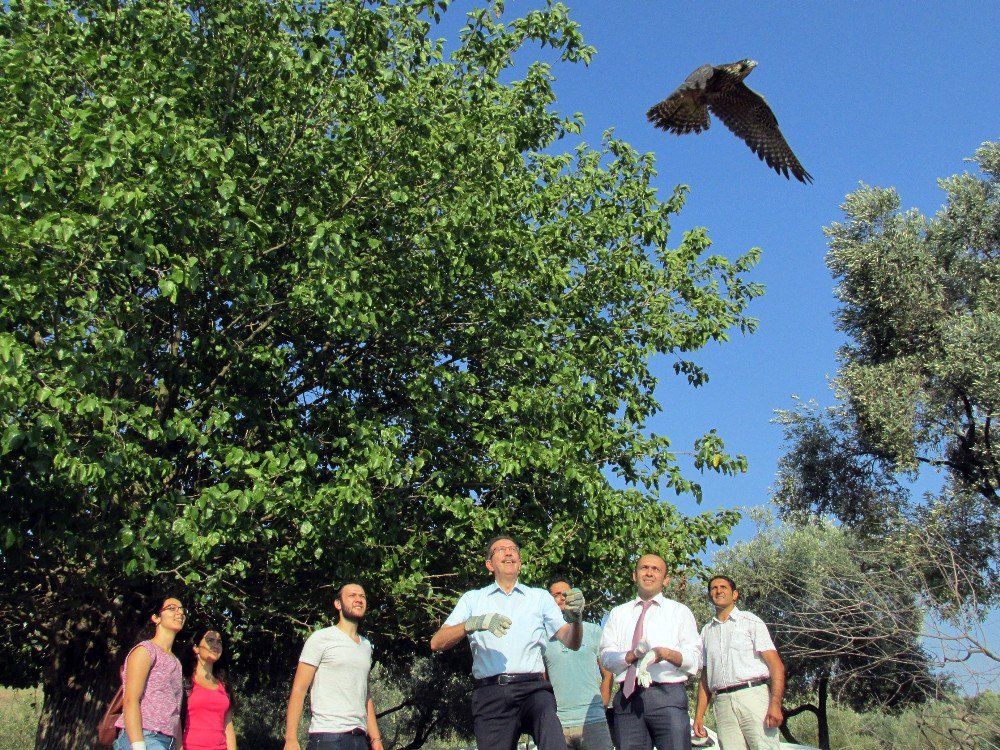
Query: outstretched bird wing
(745,112)
(685,110)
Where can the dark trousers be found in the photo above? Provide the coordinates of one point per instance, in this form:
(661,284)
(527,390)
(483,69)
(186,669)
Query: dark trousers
(502,713)
(657,715)
(340,741)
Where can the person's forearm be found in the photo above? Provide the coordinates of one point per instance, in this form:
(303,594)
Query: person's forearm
(615,661)
(374,735)
(571,635)
(607,680)
(132,715)
(777,685)
(448,637)
(703,698)
(230,735)
(294,714)
(669,655)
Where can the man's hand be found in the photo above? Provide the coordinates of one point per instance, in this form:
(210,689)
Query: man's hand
(641,649)
(774,716)
(642,675)
(494,622)
(573,611)
(699,728)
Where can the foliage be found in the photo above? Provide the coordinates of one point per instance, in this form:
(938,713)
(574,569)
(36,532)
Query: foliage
(920,375)
(289,296)
(946,724)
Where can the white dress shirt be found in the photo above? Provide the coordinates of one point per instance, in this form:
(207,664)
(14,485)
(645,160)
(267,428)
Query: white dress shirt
(733,648)
(668,623)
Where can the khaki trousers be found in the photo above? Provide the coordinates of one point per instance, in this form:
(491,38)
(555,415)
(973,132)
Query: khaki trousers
(739,720)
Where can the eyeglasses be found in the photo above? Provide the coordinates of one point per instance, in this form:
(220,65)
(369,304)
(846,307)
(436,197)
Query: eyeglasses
(172,608)
(212,642)
(502,550)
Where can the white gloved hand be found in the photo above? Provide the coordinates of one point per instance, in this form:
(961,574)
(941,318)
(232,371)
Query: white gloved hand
(641,648)
(642,676)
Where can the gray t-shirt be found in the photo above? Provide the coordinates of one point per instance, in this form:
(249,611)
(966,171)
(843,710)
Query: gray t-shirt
(339,693)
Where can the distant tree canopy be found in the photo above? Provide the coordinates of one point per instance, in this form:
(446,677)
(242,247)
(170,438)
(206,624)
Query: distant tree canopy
(920,375)
(289,296)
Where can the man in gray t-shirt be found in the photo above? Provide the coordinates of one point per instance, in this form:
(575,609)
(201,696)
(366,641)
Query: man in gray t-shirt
(335,663)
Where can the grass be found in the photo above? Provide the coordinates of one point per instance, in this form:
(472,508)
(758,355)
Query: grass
(19,712)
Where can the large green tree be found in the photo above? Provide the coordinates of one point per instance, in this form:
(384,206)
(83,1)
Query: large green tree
(919,382)
(296,293)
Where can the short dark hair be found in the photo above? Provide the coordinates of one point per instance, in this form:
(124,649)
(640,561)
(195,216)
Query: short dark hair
(339,596)
(489,545)
(559,577)
(727,579)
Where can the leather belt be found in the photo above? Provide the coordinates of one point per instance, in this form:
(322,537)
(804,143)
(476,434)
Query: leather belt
(356,732)
(741,686)
(507,679)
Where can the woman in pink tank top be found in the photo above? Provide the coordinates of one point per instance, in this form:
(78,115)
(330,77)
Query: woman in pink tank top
(208,713)
(151,677)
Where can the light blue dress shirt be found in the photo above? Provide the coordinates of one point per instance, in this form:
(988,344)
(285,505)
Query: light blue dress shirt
(535,618)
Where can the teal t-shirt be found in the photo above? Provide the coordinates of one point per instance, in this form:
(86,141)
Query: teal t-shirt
(576,678)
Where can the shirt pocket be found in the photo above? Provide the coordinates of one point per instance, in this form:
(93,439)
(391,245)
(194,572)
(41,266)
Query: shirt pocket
(742,643)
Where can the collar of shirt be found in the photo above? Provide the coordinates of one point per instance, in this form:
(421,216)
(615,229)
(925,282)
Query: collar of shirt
(734,615)
(495,588)
(659,600)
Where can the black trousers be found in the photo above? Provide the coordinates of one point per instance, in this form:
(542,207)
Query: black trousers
(502,713)
(657,715)
(338,741)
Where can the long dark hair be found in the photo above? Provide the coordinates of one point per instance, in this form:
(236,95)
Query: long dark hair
(153,606)
(220,669)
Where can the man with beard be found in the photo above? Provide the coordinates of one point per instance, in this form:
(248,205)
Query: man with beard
(335,663)
(508,625)
(651,643)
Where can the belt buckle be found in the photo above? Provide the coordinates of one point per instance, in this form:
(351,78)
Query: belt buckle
(503,679)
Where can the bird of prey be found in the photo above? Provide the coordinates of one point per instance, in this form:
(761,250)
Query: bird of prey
(720,88)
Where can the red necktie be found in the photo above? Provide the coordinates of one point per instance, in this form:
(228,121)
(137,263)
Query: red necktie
(629,685)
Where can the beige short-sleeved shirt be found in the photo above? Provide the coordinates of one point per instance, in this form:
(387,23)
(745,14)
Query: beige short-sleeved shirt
(733,649)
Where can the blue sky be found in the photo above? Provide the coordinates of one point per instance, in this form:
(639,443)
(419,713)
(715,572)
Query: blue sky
(889,94)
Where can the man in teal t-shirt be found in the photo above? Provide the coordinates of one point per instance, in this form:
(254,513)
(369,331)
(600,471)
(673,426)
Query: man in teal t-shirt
(582,686)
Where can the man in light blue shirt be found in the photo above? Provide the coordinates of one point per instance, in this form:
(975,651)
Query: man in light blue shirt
(582,686)
(508,624)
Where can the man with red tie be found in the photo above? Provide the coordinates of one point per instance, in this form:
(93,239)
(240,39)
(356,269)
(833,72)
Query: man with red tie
(652,645)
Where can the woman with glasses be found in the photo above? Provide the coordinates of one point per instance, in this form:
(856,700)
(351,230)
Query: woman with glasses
(151,677)
(208,712)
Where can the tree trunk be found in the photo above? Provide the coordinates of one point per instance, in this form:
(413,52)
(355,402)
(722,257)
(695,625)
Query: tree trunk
(819,711)
(79,680)
(822,720)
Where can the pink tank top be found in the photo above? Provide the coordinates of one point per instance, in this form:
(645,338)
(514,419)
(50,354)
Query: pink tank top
(205,728)
(160,703)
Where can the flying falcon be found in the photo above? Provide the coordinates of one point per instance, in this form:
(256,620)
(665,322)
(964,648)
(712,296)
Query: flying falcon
(720,88)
